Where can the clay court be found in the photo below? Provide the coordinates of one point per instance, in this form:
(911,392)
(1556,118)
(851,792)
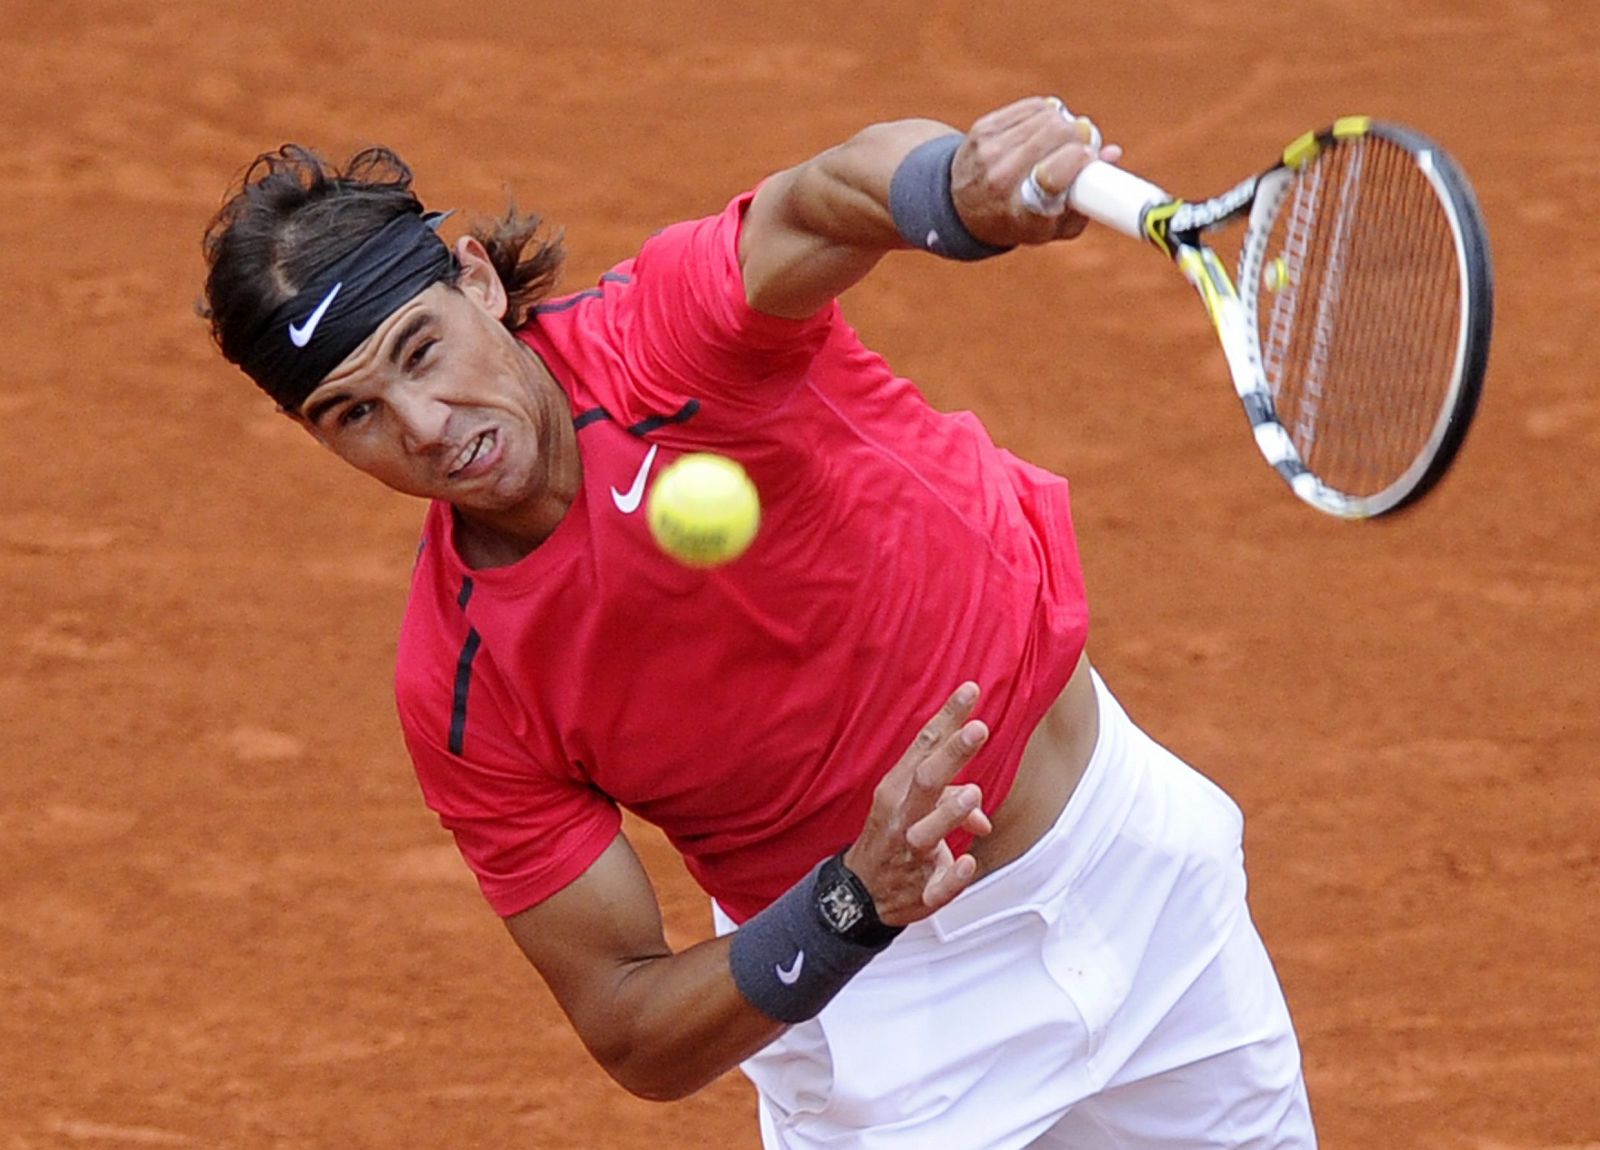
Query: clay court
(226,918)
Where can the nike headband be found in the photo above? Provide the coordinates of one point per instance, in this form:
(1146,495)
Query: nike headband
(310,334)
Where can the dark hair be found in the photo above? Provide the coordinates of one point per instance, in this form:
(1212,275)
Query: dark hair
(292,213)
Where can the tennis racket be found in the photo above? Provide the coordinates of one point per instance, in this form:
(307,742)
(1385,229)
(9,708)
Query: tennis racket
(1357,331)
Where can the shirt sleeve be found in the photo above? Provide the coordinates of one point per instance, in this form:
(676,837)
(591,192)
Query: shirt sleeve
(525,830)
(689,331)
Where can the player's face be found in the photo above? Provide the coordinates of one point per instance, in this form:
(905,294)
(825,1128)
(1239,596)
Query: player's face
(442,402)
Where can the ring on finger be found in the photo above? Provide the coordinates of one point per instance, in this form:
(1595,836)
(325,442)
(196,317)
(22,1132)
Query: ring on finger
(1037,176)
(1039,201)
(1091,134)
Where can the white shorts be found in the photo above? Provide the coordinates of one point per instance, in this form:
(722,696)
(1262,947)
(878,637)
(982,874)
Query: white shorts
(1106,990)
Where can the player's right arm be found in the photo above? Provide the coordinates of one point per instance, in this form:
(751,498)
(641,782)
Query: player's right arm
(815,230)
(736,305)
(665,1024)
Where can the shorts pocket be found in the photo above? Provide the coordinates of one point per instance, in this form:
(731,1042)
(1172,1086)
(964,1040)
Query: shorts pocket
(1089,971)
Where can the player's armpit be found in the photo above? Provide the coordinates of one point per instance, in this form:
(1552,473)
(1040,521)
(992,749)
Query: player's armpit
(662,1024)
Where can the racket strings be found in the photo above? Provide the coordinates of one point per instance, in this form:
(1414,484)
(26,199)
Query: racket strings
(1361,336)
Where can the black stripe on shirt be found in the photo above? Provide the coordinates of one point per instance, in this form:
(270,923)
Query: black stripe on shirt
(469,651)
(567,303)
(458,710)
(645,426)
(687,412)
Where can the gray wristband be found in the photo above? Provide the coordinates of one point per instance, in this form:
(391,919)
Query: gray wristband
(786,961)
(923,209)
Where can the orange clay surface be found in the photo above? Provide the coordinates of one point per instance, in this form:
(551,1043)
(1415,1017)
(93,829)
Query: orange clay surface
(226,918)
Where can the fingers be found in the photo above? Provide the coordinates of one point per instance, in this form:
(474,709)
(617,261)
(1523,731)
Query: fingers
(977,822)
(1029,132)
(943,746)
(1013,114)
(936,732)
(934,772)
(957,808)
(901,854)
(1044,189)
(949,880)
(1010,180)
(959,705)
(1042,123)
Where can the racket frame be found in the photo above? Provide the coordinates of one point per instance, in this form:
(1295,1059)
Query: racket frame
(1137,208)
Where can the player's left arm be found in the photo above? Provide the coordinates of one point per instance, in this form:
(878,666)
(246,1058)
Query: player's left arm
(814,230)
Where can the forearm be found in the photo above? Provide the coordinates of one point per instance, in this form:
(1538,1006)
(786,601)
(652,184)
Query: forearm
(842,196)
(785,964)
(663,1024)
(677,1023)
(815,230)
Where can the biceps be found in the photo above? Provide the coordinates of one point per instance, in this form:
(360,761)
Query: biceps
(587,937)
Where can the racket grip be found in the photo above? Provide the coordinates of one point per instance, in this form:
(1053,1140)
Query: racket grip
(1114,198)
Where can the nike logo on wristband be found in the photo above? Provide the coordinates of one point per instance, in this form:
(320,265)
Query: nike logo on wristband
(792,975)
(301,335)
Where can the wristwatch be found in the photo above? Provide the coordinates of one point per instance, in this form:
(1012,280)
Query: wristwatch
(845,906)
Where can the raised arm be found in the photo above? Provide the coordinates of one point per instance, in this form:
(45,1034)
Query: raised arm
(665,1024)
(814,230)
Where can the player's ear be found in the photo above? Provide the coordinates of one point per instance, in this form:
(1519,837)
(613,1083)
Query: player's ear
(478,280)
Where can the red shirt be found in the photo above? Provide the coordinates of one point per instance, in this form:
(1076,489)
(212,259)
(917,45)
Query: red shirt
(747,711)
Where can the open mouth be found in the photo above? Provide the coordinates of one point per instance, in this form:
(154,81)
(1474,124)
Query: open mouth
(475,453)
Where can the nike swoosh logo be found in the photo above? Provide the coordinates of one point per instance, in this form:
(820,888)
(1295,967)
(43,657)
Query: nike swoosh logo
(301,335)
(628,501)
(792,975)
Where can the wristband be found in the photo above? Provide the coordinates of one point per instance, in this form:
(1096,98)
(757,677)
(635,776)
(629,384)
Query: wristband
(923,209)
(788,962)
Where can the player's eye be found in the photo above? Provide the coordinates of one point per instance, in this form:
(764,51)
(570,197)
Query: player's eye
(419,353)
(355,413)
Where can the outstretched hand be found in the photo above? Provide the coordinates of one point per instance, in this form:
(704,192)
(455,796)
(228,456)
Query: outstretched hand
(901,855)
(1036,136)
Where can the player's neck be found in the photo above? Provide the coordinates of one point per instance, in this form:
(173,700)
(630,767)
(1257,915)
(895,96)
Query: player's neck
(499,537)
(482,546)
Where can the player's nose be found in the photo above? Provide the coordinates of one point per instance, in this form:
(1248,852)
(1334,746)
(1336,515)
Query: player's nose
(423,419)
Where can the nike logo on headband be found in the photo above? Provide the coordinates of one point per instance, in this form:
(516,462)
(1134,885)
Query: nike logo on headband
(300,334)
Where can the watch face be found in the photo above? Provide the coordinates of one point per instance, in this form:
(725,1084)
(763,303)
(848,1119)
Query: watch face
(840,907)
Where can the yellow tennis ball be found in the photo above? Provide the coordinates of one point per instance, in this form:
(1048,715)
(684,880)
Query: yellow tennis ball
(703,510)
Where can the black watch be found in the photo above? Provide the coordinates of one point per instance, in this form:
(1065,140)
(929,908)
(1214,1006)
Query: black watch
(846,909)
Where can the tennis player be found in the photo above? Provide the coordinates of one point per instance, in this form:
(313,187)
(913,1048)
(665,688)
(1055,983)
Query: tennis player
(962,901)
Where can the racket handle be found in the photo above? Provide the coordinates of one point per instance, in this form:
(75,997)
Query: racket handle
(1114,198)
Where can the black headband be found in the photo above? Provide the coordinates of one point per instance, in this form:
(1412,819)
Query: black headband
(310,334)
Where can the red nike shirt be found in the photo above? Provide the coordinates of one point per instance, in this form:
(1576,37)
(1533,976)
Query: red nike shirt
(747,711)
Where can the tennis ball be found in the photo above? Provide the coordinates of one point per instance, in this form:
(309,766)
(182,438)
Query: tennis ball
(1277,276)
(703,510)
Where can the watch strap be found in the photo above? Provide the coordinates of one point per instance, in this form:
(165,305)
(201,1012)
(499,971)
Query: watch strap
(869,930)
